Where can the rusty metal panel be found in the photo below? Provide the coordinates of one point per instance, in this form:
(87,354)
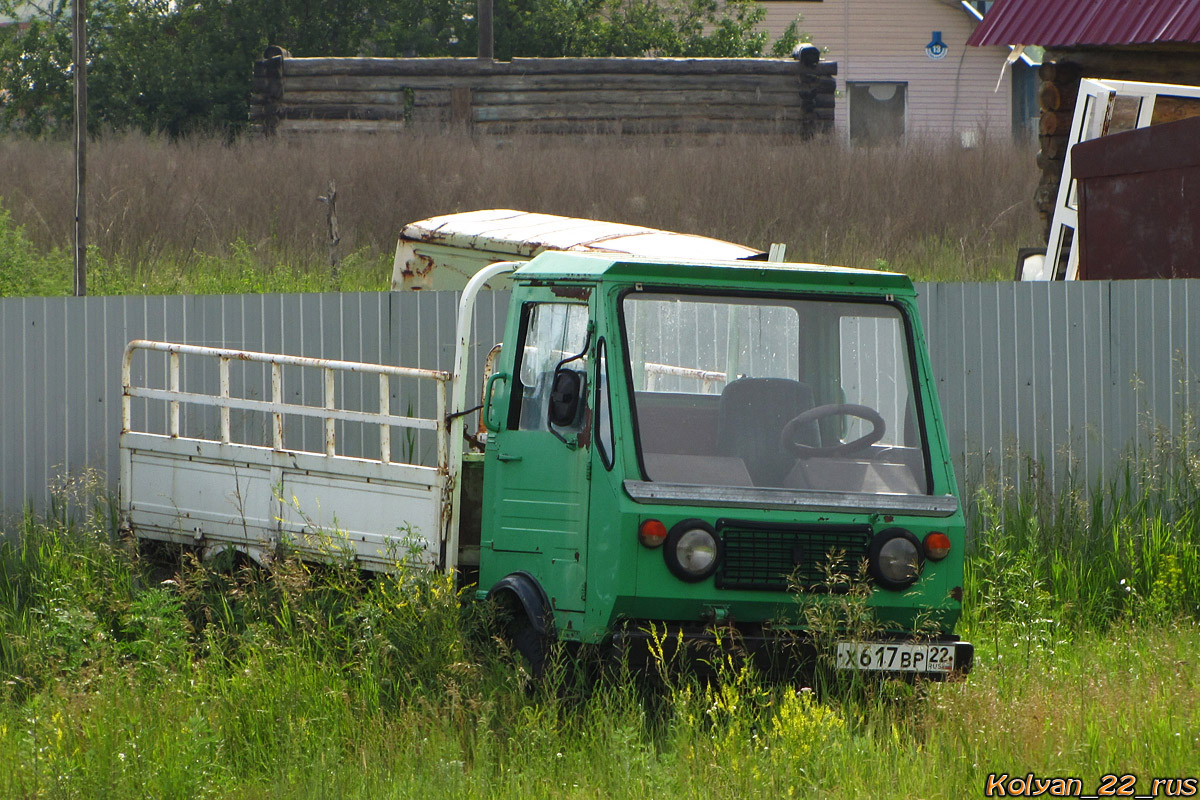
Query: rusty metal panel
(1066,23)
(1139,202)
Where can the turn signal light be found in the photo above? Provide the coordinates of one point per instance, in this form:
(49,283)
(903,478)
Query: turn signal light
(652,533)
(937,546)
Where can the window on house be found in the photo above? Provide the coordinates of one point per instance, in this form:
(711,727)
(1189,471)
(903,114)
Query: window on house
(877,111)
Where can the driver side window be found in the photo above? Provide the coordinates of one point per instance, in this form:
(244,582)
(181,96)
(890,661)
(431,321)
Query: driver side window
(552,333)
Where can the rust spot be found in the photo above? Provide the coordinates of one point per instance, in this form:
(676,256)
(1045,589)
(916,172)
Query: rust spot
(956,594)
(585,430)
(573,292)
(416,271)
(425,264)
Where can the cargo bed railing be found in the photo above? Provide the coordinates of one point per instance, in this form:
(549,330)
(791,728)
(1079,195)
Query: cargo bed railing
(176,486)
(277,407)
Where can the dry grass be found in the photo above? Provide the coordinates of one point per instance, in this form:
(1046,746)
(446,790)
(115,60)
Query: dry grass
(935,211)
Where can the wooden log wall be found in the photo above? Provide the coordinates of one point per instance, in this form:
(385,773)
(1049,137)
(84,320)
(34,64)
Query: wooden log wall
(1061,73)
(542,95)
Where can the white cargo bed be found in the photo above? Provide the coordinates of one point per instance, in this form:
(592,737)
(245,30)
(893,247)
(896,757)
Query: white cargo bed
(214,491)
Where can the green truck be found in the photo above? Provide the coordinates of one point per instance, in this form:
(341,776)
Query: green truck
(680,449)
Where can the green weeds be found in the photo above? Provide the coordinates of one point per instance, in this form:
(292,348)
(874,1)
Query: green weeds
(126,676)
(1126,546)
(239,269)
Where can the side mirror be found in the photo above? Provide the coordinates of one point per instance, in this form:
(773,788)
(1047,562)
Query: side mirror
(565,393)
(486,423)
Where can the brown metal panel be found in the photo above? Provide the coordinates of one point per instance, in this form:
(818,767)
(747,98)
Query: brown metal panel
(1139,202)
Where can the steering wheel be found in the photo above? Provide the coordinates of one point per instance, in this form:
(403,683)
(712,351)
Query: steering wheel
(866,413)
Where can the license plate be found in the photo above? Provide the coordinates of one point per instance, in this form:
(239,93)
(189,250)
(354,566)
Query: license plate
(895,657)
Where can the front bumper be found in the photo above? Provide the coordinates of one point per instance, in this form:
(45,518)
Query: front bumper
(782,654)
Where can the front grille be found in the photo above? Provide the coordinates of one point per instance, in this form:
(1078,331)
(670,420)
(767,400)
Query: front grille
(778,557)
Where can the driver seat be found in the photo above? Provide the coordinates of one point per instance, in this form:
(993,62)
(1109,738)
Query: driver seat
(751,418)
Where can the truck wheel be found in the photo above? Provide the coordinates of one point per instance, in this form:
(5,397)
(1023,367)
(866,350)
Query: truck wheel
(532,645)
(524,619)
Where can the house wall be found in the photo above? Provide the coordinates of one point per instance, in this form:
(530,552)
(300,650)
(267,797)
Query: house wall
(885,41)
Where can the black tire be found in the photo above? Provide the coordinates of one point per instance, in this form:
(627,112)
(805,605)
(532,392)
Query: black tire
(532,646)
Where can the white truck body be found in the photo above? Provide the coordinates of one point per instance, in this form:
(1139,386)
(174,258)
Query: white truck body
(214,490)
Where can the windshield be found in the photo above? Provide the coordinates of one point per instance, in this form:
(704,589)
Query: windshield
(774,392)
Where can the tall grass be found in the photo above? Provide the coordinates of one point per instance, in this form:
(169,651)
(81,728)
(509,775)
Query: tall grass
(124,676)
(194,214)
(1088,554)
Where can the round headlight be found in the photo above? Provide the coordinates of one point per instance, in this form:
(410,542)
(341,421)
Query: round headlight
(692,550)
(895,558)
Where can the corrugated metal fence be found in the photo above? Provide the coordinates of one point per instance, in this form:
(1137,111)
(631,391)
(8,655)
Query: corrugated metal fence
(1042,370)
(1070,373)
(60,363)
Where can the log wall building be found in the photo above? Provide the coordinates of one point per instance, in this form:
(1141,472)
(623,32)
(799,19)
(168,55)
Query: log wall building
(542,95)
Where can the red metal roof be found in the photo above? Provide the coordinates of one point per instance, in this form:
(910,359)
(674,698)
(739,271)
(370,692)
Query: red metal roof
(1065,23)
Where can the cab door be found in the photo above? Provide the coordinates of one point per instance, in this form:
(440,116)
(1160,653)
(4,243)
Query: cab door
(536,476)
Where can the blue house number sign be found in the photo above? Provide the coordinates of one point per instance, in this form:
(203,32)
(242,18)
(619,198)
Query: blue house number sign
(936,49)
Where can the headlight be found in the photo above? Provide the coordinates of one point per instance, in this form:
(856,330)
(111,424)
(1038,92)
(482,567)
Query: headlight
(692,550)
(895,558)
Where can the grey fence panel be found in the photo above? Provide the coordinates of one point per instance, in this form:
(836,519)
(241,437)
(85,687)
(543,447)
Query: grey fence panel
(95,335)
(1022,370)
(73,364)
(1178,320)
(1069,374)
(33,379)
(1189,364)
(1127,363)
(247,380)
(14,451)
(110,321)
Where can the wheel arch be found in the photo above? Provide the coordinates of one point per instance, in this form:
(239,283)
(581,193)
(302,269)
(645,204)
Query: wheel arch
(532,599)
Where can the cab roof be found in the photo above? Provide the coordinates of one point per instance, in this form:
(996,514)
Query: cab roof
(615,268)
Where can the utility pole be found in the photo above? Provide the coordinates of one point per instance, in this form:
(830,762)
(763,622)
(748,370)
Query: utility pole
(80,58)
(483,15)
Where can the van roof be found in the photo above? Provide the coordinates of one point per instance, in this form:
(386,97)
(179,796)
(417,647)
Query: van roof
(524,233)
(444,252)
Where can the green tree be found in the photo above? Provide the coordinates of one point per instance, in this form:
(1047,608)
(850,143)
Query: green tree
(692,28)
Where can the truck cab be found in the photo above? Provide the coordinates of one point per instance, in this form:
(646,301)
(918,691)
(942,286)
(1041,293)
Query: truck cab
(677,445)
